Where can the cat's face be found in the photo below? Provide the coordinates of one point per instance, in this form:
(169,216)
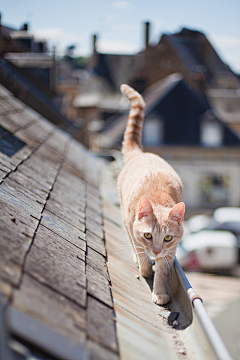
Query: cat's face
(158,232)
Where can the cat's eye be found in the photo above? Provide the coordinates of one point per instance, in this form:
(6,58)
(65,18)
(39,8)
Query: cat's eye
(148,236)
(168,238)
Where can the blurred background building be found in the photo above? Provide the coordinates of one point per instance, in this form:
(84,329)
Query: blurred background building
(192,103)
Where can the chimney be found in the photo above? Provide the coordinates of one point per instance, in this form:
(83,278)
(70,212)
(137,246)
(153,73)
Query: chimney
(147,29)
(25,27)
(94,42)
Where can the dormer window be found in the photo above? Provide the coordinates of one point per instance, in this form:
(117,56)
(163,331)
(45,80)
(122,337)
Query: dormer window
(211,134)
(153,132)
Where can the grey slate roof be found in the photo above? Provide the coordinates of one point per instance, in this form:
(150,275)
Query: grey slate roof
(53,272)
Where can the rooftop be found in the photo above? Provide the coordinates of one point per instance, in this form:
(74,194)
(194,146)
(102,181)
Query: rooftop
(62,296)
(53,261)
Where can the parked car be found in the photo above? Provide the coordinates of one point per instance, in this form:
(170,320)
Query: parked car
(227,214)
(223,215)
(197,222)
(209,250)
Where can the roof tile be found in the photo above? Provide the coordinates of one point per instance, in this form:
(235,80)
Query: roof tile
(100,323)
(53,309)
(96,243)
(59,264)
(63,229)
(48,190)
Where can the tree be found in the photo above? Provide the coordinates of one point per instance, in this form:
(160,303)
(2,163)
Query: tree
(70,50)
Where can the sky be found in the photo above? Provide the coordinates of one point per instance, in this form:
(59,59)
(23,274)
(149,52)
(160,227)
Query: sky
(119,24)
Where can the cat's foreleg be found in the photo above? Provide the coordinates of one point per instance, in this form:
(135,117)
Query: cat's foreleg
(162,268)
(140,257)
(145,264)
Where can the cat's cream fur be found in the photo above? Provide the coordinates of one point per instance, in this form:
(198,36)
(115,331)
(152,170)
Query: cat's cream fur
(151,201)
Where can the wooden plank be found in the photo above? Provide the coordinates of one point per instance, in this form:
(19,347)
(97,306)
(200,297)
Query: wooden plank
(63,210)
(59,264)
(92,215)
(62,194)
(98,285)
(63,229)
(94,206)
(23,194)
(65,214)
(70,203)
(13,248)
(43,179)
(29,184)
(97,262)
(51,308)
(96,243)
(95,228)
(101,324)
(33,135)
(18,209)
(97,352)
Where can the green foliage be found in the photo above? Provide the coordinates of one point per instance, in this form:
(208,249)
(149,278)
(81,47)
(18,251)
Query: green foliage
(79,62)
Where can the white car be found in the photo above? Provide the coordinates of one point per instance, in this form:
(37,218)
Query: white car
(210,250)
(227,214)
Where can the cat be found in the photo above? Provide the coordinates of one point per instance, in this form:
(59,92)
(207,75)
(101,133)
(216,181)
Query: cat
(151,194)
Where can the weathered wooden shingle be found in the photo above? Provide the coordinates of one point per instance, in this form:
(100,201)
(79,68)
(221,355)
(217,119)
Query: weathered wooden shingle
(64,229)
(96,243)
(29,184)
(58,264)
(97,262)
(42,178)
(52,251)
(23,194)
(52,309)
(75,219)
(98,285)
(14,245)
(65,212)
(18,209)
(94,227)
(100,323)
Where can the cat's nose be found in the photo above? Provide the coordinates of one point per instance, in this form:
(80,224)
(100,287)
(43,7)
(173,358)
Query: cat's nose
(156,252)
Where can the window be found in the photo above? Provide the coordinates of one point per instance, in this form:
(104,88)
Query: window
(153,132)
(215,189)
(211,134)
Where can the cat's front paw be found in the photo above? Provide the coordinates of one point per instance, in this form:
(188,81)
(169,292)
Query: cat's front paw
(160,299)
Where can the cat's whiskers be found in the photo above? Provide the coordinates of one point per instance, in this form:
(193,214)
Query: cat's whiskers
(123,247)
(126,259)
(144,260)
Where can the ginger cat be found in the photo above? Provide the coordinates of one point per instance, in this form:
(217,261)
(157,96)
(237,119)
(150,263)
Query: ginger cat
(151,200)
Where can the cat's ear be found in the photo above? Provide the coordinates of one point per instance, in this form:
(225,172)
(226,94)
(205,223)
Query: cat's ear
(177,212)
(145,208)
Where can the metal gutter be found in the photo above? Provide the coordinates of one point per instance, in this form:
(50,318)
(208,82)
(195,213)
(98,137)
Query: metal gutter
(206,323)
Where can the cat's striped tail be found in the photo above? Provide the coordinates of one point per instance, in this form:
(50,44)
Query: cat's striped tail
(132,141)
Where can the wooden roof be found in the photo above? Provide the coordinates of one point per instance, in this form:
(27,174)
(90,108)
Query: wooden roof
(53,271)
(61,295)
